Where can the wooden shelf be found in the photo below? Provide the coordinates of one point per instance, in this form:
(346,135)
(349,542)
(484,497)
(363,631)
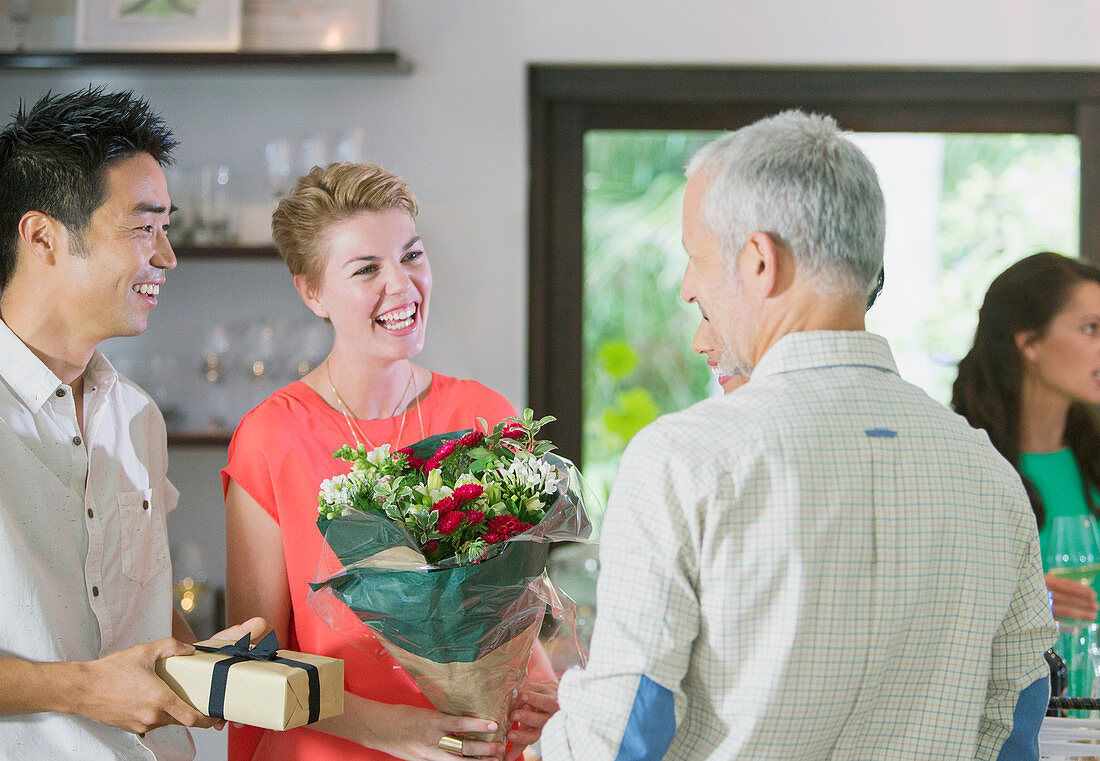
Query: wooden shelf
(381,61)
(225,252)
(199,438)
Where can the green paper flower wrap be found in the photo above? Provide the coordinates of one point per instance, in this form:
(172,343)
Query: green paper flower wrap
(463,626)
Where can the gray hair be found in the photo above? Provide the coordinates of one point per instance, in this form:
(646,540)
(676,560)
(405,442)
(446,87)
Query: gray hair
(797,178)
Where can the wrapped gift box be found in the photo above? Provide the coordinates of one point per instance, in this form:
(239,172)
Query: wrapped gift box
(263,686)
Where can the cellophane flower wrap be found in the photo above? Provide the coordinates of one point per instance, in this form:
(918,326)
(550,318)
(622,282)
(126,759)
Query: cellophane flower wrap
(439,551)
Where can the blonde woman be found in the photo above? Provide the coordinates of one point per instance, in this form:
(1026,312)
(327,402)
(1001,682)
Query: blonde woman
(348,235)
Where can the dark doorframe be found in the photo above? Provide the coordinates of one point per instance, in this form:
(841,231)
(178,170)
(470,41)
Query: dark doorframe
(565,101)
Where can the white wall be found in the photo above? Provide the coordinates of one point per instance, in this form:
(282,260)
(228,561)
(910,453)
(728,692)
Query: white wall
(456,130)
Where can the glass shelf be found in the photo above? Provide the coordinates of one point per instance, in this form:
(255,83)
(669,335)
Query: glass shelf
(380,61)
(199,438)
(225,252)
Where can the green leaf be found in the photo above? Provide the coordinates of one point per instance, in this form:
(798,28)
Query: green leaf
(634,410)
(617,358)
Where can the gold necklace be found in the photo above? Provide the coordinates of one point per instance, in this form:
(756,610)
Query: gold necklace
(349,416)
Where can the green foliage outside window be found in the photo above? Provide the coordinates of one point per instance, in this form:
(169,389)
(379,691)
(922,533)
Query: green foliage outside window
(1002,197)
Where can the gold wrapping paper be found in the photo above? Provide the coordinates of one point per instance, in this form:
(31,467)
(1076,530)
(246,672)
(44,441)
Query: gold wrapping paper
(263,694)
(476,688)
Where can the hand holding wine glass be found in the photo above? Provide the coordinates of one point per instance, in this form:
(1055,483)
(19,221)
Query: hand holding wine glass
(1074,556)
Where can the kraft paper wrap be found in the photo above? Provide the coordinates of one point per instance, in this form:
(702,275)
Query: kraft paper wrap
(263,694)
(478,688)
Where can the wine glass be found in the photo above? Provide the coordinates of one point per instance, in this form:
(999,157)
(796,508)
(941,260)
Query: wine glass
(1074,553)
(19,16)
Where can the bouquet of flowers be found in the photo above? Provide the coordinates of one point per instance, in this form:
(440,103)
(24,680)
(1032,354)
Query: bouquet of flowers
(440,549)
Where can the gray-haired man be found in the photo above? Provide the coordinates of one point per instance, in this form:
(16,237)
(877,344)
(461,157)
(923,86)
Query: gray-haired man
(825,563)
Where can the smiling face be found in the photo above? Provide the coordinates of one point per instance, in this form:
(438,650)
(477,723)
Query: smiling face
(375,285)
(703,343)
(715,290)
(114,270)
(1065,361)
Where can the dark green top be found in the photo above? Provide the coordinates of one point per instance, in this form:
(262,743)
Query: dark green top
(1056,476)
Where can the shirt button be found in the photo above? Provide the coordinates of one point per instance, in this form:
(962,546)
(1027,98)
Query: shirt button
(76,441)
(90,513)
(60,392)
(95,591)
(144,504)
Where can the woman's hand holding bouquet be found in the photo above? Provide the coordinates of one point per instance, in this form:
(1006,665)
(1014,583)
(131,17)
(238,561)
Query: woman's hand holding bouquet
(439,550)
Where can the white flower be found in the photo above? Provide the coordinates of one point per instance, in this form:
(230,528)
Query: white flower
(336,490)
(379,455)
(527,471)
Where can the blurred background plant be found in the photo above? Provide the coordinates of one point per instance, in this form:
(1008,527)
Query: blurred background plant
(960,208)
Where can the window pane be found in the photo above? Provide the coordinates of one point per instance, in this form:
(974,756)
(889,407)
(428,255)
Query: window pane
(637,333)
(960,208)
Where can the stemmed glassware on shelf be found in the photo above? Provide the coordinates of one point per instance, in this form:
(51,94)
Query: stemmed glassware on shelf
(1074,553)
(20,13)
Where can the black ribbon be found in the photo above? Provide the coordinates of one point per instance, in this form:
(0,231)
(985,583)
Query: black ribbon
(266,649)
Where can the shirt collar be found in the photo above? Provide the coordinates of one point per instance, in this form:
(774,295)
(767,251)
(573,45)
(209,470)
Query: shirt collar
(33,382)
(100,373)
(26,375)
(826,348)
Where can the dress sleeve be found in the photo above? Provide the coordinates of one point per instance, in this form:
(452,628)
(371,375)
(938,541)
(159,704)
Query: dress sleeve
(467,400)
(248,462)
(624,704)
(494,407)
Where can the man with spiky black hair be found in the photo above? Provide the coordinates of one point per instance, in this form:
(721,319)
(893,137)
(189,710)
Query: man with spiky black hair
(85,577)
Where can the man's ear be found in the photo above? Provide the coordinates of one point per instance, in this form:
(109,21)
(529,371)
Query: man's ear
(42,236)
(760,264)
(1025,344)
(310,295)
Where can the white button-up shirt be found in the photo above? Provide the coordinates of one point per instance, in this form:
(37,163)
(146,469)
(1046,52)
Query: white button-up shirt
(84,565)
(825,564)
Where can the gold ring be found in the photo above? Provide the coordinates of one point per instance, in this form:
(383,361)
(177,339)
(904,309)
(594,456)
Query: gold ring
(451,744)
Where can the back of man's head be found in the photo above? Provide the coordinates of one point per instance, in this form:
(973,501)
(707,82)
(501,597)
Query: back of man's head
(53,157)
(797,178)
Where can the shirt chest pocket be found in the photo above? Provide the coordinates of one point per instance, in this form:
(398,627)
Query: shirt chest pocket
(143,536)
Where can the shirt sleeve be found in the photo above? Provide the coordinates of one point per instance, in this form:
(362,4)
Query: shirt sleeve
(1018,691)
(624,704)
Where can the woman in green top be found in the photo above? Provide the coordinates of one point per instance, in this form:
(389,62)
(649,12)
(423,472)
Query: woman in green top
(1030,381)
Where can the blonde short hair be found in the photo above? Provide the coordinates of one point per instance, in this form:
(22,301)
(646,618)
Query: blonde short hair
(327,195)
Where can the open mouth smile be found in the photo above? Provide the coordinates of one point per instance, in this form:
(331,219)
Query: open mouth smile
(147,291)
(398,319)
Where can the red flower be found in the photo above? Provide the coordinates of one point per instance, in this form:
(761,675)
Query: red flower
(513,433)
(502,523)
(473,517)
(431,546)
(467,492)
(445,505)
(411,460)
(471,439)
(492,537)
(449,522)
(446,449)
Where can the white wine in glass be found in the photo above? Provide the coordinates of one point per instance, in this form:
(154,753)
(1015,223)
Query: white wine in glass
(1074,551)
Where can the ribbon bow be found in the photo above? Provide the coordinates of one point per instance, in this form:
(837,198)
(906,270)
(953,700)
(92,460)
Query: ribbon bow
(266,649)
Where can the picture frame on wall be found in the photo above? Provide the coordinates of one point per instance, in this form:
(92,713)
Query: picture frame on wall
(148,25)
